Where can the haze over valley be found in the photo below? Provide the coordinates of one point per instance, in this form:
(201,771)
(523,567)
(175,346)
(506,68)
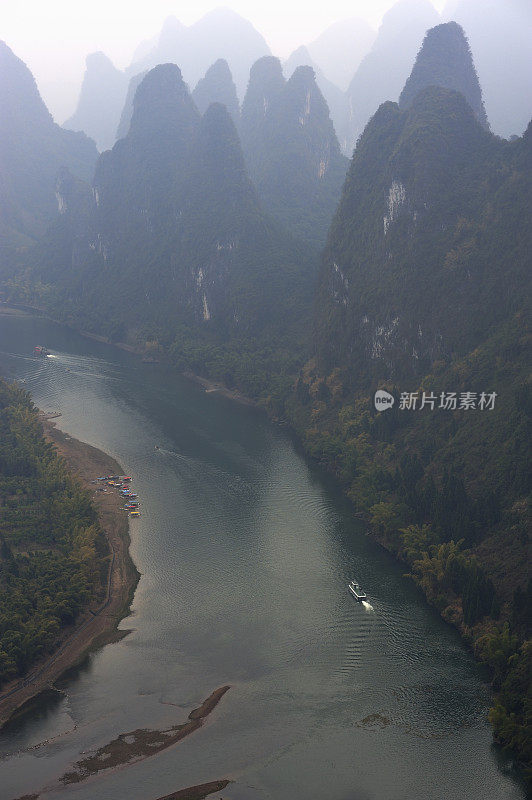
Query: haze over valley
(265,402)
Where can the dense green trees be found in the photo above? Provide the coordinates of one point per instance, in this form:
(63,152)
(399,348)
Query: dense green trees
(52,549)
(423,289)
(429,249)
(448,494)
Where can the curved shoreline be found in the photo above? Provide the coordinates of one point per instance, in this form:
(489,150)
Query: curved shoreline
(96,626)
(210,386)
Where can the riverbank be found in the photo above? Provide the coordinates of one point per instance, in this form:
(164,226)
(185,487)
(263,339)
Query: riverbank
(210,386)
(219,388)
(97,625)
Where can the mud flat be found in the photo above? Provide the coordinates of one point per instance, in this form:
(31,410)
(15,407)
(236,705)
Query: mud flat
(129,748)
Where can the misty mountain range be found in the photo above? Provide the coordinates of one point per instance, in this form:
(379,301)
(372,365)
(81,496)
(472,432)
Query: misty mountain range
(226,231)
(356,68)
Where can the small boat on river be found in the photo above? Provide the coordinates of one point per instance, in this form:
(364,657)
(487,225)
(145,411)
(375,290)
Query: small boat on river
(358,593)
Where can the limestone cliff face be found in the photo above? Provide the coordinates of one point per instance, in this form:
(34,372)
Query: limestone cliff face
(336,99)
(420,260)
(172,233)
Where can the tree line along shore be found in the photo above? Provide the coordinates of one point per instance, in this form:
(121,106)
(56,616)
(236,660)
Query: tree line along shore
(66,576)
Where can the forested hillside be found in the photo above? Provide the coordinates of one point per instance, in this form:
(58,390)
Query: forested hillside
(428,251)
(203,251)
(424,292)
(170,245)
(53,555)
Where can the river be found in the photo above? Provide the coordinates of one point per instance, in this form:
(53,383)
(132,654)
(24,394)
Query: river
(245,551)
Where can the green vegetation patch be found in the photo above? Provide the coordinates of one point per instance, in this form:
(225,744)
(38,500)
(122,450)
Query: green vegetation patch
(52,549)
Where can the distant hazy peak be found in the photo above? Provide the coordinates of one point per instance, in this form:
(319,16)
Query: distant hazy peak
(403,11)
(100,100)
(299,57)
(339,49)
(172,24)
(383,71)
(217,86)
(301,52)
(98,60)
(303,76)
(171,29)
(445,60)
(344,28)
(143,49)
(221,33)
(220,67)
(266,69)
(163,76)
(266,82)
(127,110)
(161,97)
(223,13)
(32,151)
(19,95)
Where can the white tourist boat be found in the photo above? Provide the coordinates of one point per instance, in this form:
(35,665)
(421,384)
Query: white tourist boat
(356,591)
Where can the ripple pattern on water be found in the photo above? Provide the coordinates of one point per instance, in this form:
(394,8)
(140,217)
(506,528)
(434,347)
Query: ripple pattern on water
(245,556)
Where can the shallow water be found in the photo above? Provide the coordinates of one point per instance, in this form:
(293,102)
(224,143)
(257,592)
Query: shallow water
(245,552)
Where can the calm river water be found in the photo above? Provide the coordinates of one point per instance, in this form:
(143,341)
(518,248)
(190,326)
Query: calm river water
(245,553)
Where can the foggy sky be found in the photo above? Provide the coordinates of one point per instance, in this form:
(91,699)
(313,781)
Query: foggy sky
(54,36)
